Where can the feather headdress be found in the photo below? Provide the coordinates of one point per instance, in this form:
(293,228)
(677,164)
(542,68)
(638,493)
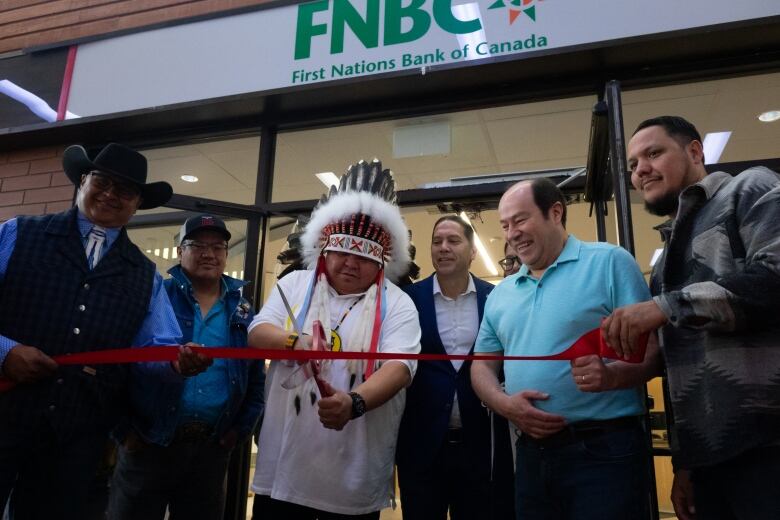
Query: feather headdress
(360,217)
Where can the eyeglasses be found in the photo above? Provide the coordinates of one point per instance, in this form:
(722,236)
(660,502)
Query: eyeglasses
(201,247)
(508,263)
(123,190)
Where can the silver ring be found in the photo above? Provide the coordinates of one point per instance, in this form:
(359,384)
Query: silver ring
(583,377)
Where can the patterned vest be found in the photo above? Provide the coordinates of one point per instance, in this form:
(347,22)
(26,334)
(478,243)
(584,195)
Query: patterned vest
(51,300)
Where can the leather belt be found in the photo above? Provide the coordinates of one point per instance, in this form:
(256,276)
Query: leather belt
(582,430)
(193,432)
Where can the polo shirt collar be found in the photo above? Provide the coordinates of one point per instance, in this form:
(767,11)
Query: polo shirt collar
(569,253)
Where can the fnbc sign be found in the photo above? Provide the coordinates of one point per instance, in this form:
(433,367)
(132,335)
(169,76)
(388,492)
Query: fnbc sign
(398,21)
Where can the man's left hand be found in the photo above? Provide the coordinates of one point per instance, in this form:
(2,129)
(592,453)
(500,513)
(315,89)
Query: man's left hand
(191,363)
(623,328)
(335,411)
(591,374)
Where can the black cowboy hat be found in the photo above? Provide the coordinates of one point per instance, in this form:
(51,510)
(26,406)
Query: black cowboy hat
(116,160)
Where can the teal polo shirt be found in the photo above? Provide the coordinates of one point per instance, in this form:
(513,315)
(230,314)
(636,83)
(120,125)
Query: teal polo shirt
(528,317)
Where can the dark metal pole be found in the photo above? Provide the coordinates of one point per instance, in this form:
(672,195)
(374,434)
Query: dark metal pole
(600,208)
(238,470)
(618,166)
(263,197)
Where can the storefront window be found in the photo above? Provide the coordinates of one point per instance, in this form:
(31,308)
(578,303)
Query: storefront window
(223,170)
(424,152)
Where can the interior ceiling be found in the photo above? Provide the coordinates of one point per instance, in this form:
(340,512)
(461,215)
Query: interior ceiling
(516,138)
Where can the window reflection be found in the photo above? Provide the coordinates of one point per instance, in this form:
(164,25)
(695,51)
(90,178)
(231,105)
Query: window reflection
(219,170)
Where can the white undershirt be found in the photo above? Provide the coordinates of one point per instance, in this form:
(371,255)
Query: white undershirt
(458,323)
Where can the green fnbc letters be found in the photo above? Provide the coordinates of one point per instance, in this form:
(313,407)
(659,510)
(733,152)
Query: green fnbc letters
(365,26)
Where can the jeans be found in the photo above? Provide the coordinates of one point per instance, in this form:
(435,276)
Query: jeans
(51,477)
(743,488)
(188,478)
(598,478)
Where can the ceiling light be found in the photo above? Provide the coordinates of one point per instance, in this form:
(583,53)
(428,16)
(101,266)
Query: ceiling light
(189,178)
(769,116)
(489,265)
(714,143)
(328,179)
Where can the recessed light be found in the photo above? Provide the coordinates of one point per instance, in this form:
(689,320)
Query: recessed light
(189,178)
(328,178)
(769,116)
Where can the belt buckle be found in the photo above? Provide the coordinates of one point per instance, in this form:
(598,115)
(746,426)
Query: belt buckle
(454,435)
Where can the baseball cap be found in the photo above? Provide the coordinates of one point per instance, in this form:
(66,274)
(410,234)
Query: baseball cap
(199,222)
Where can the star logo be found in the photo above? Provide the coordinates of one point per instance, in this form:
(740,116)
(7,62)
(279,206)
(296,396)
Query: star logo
(517,7)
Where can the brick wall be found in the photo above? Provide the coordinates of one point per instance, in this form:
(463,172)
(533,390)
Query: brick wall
(26,23)
(32,183)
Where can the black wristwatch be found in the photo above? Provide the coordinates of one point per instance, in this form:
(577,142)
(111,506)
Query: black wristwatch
(358,405)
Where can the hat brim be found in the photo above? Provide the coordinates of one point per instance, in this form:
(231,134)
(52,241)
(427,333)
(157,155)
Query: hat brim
(76,162)
(222,231)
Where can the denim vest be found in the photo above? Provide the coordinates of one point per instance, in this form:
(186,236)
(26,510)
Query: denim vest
(155,403)
(52,301)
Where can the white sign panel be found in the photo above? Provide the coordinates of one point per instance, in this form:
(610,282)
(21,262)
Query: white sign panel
(331,40)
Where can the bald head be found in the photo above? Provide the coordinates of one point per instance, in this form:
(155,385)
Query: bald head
(537,235)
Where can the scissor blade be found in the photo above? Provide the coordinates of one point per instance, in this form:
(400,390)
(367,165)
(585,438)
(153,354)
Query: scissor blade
(289,310)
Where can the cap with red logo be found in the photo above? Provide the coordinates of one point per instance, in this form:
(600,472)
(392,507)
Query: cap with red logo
(200,222)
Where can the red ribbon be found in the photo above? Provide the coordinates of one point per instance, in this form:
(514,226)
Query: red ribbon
(589,344)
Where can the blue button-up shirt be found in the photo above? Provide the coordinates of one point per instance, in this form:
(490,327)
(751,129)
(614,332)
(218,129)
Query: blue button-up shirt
(159,326)
(205,396)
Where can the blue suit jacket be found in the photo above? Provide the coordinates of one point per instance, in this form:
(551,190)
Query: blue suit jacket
(429,399)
